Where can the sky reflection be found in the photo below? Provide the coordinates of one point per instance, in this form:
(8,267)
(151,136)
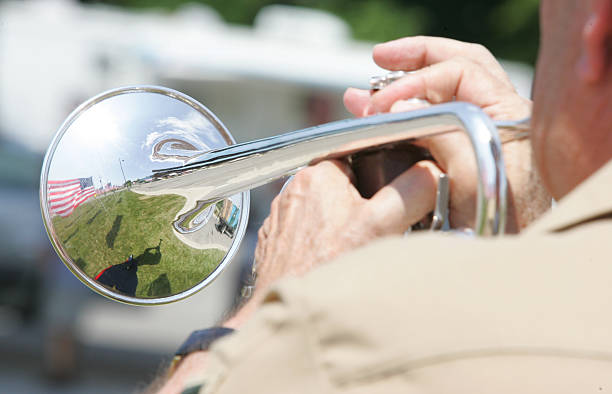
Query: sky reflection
(122,131)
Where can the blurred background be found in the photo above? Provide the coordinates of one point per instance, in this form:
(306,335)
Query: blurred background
(264,67)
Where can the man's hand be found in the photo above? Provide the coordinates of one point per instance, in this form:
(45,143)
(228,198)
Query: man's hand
(447,70)
(320,214)
(444,70)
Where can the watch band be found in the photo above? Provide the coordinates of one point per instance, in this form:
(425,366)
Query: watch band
(197,341)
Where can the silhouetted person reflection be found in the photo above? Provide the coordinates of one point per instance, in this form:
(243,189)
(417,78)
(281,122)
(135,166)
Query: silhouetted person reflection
(131,263)
(150,256)
(123,277)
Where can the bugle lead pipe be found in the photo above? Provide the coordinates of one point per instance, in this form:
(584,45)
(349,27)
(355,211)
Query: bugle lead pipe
(223,172)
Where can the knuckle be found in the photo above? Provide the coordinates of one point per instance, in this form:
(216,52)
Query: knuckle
(303,177)
(462,61)
(325,165)
(309,176)
(467,66)
(259,253)
(274,205)
(419,43)
(286,203)
(337,170)
(480,49)
(375,224)
(261,234)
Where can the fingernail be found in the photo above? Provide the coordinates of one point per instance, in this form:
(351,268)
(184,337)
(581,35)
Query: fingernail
(409,105)
(369,110)
(418,101)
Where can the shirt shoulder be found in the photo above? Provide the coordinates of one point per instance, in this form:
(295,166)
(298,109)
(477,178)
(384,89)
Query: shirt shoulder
(387,311)
(438,303)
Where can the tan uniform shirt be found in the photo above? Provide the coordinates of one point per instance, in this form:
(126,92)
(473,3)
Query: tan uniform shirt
(442,314)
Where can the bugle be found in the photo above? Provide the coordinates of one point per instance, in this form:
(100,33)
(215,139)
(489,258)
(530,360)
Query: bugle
(158,202)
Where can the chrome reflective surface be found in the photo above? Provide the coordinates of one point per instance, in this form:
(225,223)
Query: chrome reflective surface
(239,167)
(127,231)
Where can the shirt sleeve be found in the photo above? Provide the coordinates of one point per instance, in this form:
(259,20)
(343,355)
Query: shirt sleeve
(380,316)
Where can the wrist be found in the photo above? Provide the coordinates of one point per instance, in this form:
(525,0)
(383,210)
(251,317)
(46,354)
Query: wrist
(240,316)
(197,343)
(246,310)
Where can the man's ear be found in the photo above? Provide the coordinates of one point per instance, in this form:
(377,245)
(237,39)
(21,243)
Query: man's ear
(597,43)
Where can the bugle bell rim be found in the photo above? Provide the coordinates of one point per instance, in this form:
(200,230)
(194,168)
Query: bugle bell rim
(57,244)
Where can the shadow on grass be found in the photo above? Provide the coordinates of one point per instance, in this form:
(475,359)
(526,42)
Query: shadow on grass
(112,234)
(94,217)
(71,235)
(150,256)
(81,263)
(160,287)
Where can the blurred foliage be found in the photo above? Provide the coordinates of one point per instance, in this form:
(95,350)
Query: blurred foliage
(509,28)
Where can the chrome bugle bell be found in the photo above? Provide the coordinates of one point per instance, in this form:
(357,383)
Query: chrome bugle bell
(158,202)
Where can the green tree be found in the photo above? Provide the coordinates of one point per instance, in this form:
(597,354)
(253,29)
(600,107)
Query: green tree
(509,28)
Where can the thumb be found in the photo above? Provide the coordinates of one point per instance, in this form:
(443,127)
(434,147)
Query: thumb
(406,200)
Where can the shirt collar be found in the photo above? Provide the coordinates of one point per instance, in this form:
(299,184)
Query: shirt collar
(590,199)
